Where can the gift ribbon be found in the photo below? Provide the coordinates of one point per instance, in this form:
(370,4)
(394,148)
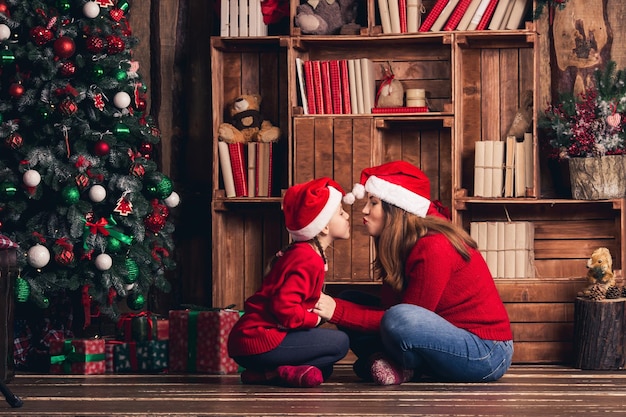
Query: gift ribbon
(70,356)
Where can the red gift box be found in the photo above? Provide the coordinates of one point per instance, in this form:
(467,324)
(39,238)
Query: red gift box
(198,341)
(77,356)
(163,329)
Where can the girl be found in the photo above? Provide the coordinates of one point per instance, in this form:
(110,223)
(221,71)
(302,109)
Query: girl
(277,339)
(439,312)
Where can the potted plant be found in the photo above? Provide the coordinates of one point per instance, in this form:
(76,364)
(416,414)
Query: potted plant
(589,131)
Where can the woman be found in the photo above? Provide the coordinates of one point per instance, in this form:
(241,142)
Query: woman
(439,313)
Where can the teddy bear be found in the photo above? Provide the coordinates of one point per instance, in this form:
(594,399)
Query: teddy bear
(327,17)
(247,123)
(599,271)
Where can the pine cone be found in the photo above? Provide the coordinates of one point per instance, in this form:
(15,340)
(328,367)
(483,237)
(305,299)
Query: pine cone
(597,293)
(613,292)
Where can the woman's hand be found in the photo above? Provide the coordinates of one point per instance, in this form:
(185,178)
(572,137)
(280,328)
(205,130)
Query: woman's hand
(325,307)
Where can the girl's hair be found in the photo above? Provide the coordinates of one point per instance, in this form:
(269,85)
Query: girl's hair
(315,241)
(400,233)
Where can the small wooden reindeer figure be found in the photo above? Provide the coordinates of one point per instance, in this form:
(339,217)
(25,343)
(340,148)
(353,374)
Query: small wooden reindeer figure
(599,270)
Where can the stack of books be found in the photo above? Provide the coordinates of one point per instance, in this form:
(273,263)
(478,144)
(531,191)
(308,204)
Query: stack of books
(400,16)
(241,18)
(246,168)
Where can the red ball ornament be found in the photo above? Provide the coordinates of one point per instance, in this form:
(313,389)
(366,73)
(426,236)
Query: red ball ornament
(141,104)
(145,148)
(67,107)
(94,44)
(64,47)
(155,222)
(16,90)
(4,9)
(14,141)
(40,35)
(65,257)
(115,44)
(67,69)
(101,148)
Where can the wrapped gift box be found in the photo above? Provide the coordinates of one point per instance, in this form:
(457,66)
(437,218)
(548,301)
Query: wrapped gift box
(163,329)
(137,327)
(198,341)
(77,356)
(148,356)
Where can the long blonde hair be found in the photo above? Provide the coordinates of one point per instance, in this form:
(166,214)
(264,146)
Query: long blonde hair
(400,233)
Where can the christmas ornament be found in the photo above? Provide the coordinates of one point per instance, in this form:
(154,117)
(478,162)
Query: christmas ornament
(16,90)
(95,44)
(7,56)
(70,194)
(7,189)
(121,130)
(154,222)
(5,32)
(145,149)
(44,302)
(172,200)
(97,193)
(105,3)
(123,206)
(67,69)
(98,101)
(129,287)
(40,35)
(137,169)
(31,178)
(14,141)
(113,245)
(121,75)
(38,256)
(68,107)
(101,148)
(135,301)
(121,100)
(103,262)
(159,186)
(133,271)
(63,252)
(115,44)
(141,104)
(22,290)
(64,5)
(64,47)
(4,9)
(91,9)
(82,180)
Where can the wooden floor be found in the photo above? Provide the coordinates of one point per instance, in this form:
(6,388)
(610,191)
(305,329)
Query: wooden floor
(523,391)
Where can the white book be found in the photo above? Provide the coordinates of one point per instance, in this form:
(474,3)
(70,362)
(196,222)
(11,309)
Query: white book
(394,15)
(243,18)
(509,166)
(301,87)
(482,239)
(529,157)
(224,18)
(479,169)
(359,85)
(234,18)
(524,242)
(256,19)
(444,15)
(469,14)
(385,20)
(507,15)
(498,168)
(492,248)
(354,105)
(509,249)
(251,168)
(498,14)
(478,14)
(413,15)
(520,168)
(369,84)
(500,249)
(488,183)
(520,8)
(226,168)
(474,231)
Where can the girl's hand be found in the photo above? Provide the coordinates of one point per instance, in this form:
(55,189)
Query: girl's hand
(325,307)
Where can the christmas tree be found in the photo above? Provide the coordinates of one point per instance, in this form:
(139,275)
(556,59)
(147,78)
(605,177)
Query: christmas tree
(80,191)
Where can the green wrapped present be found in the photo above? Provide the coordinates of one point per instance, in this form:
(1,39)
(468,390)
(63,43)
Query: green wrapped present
(137,327)
(148,356)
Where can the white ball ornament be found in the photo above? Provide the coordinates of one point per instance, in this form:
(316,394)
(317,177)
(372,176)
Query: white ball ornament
(121,100)
(103,262)
(129,287)
(38,256)
(31,178)
(91,9)
(172,200)
(97,193)
(5,32)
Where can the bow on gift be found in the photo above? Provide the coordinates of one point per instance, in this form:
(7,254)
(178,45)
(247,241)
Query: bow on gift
(105,228)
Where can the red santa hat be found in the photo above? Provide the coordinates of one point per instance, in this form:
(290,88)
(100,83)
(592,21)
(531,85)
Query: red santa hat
(398,183)
(308,207)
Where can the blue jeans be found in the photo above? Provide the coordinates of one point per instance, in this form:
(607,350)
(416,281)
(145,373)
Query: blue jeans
(424,341)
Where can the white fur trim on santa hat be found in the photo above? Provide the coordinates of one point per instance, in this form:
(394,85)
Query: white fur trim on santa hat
(358,191)
(398,196)
(321,220)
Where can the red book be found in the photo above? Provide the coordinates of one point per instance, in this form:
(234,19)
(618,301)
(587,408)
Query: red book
(382,110)
(326,89)
(457,15)
(433,15)
(345,87)
(317,87)
(308,85)
(484,21)
(402,7)
(240,168)
(335,86)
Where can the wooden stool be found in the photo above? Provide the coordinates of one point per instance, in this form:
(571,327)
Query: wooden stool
(8,261)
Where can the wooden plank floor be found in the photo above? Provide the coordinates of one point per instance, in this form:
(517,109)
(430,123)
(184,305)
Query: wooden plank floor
(524,391)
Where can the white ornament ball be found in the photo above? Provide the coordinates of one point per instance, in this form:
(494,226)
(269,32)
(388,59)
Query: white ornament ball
(103,262)
(5,32)
(38,256)
(31,178)
(121,100)
(172,200)
(97,193)
(129,287)
(91,9)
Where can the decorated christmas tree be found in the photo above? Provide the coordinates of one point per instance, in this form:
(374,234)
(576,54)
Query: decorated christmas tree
(80,191)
